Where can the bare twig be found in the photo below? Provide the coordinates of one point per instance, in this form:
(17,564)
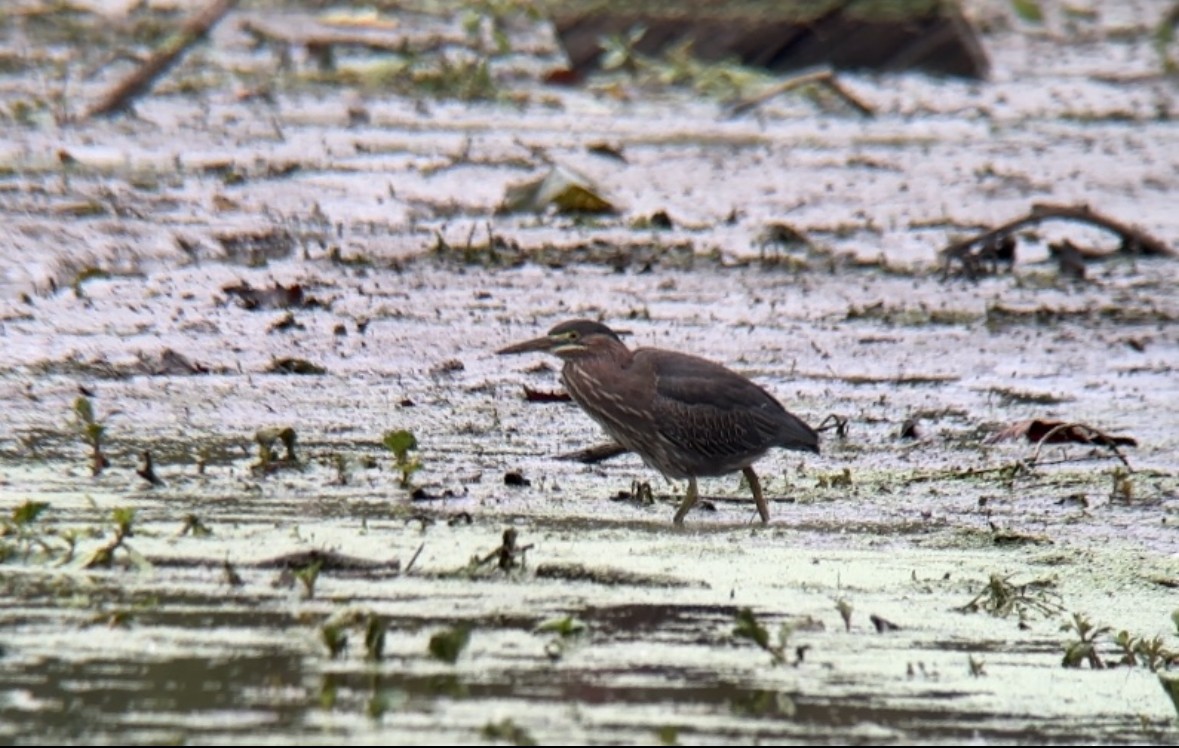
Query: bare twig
(822,77)
(414,559)
(1100,439)
(1134,240)
(194,29)
(594,454)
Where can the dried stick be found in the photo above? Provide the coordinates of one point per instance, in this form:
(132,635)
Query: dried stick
(1132,238)
(194,29)
(594,454)
(1063,426)
(823,77)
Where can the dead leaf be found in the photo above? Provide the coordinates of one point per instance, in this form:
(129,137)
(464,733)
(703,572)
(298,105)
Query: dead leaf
(563,188)
(1059,432)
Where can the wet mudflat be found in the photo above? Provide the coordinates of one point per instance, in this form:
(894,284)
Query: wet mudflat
(915,585)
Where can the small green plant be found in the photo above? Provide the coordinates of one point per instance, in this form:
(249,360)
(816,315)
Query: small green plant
(334,632)
(104,557)
(508,731)
(618,51)
(92,432)
(447,645)
(1084,648)
(335,638)
(309,575)
(374,638)
(401,443)
(22,533)
(193,524)
(977,667)
(1028,10)
(1149,653)
(567,630)
(748,627)
(1001,598)
(1170,684)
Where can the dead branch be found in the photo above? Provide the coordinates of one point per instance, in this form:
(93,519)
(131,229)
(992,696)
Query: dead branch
(194,29)
(823,77)
(322,40)
(1134,240)
(594,454)
(1091,435)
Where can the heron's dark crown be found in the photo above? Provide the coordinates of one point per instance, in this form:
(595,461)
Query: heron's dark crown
(576,329)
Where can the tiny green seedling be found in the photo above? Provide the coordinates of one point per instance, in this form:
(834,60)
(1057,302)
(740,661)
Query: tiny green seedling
(308,575)
(104,557)
(374,638)
(401,443)
(567,630)
(508,731)
(447,645)
(193,524)
(92,432)
(335,638)
(1084,648)
(748,627)
(27,533)
(334,632)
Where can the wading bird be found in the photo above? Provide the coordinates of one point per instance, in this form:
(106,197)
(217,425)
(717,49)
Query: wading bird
(687,417)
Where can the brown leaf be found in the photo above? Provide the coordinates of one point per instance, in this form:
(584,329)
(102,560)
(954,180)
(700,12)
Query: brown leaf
(1060,432)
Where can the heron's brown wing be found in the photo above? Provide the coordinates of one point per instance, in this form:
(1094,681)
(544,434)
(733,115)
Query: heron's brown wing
(703,407)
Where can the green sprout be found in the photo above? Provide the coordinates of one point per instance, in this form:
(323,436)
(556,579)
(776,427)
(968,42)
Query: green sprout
(748,627)
(104,557)
(22,527)
(508,731)
(447,645)
(308,575)
(92,433)
(1084,649)
(401,443)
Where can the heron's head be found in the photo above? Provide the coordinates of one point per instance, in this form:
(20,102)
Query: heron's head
(569,340)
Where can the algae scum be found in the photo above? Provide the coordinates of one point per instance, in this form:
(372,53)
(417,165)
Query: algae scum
(262,475)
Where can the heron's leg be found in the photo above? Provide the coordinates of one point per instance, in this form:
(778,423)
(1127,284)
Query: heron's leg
(755,484)
(688,502)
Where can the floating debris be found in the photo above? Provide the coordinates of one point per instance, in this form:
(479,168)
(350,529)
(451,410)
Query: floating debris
(295,366)
(1048,431)
(561,188)
(976,255)
(276,297)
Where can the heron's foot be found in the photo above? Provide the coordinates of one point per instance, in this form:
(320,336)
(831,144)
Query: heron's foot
(755,486)
(687,504)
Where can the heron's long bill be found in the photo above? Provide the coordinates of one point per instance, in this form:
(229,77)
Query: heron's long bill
(536,344)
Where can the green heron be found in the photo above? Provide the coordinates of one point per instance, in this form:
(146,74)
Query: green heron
(685,416)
